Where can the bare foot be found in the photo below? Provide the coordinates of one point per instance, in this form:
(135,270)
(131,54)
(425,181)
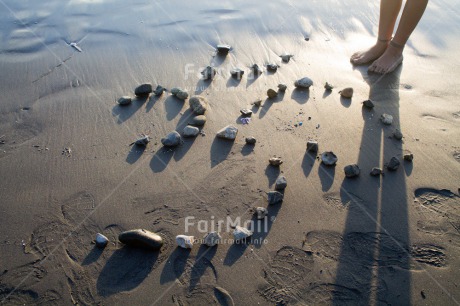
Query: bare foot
(373,53)
(390,59)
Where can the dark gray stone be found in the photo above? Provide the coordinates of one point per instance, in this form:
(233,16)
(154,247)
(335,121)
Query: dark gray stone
(141,238)
(394,163)
(281,183)
(198,104)
(125,100)
(275,197)
(303,83)
(351,170)
(143,90)
(171,140)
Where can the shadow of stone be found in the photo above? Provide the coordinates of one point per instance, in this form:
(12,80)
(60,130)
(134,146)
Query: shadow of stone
(272,174)
(220,148)
(301,96)
(92,256)
(135,153)
(326,176)
(173,106)
(124,112)
(308,162)
(161,159)
(125,270)
(173,269)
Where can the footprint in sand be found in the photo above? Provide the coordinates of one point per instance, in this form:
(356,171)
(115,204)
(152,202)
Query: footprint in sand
(9,296)
(204,295)
(439,213)
(428,254)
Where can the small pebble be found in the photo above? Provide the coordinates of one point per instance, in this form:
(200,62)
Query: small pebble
(281,183)
(125,100)
(143,90)
(272,67)
(223,49)
(257,103)
(241,233)
(171,140)
(275,161)
(408,157)
(274,197)
(394,163)
(386,119)
(261,212)
(185,242)
(141,238)
(246,112)
(101,240)
(303,83)
(286,57)
(312,146)
(228,132)
(256,69)
(329,158)
(190,131)
(328,86)
(346,92)
(199,120)
(282,87)
(271,93)
(351,170)
(209,73)
(237,73)
(376,171)
(368,104)
(143,141)
(159,90)
(397,134)
(251,140)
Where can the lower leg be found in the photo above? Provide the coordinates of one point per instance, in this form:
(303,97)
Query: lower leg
(392,57)
(389,10)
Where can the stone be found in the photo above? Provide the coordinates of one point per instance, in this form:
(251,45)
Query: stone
(198,104)
(159,90)
(237,73)
(346,92)
(397,134)
(303,83)
(141,238)
(272,67)
(143,90)
(212,238)
(182,95)
(185,242)
(250,140)
(282,87)
(223,49)
(175,90)
(368,104)
(171,140)
(281,183)
(376,171)
(286,57)
(329,158)
(274,197)
(241,233)
(351,170)
(101,240)
(275,161)
(312,146)
(246,112)
(199,120)
(190,131)
(328,86)
(228,132)
(257,103)
(125,100)
(260,212)
(386,119)
(142,141)
(271,93)
(408,157)
(256,69)
(394,163)
(209,73)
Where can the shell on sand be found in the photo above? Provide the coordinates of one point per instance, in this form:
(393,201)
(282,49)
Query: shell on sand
(329,158)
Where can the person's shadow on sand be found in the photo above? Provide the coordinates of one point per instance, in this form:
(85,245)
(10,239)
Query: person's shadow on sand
(374,258)
(125,270)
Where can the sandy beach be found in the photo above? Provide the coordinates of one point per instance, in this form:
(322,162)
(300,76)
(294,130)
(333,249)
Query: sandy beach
(68,170)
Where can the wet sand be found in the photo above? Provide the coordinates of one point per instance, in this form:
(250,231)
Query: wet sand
(68,171)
